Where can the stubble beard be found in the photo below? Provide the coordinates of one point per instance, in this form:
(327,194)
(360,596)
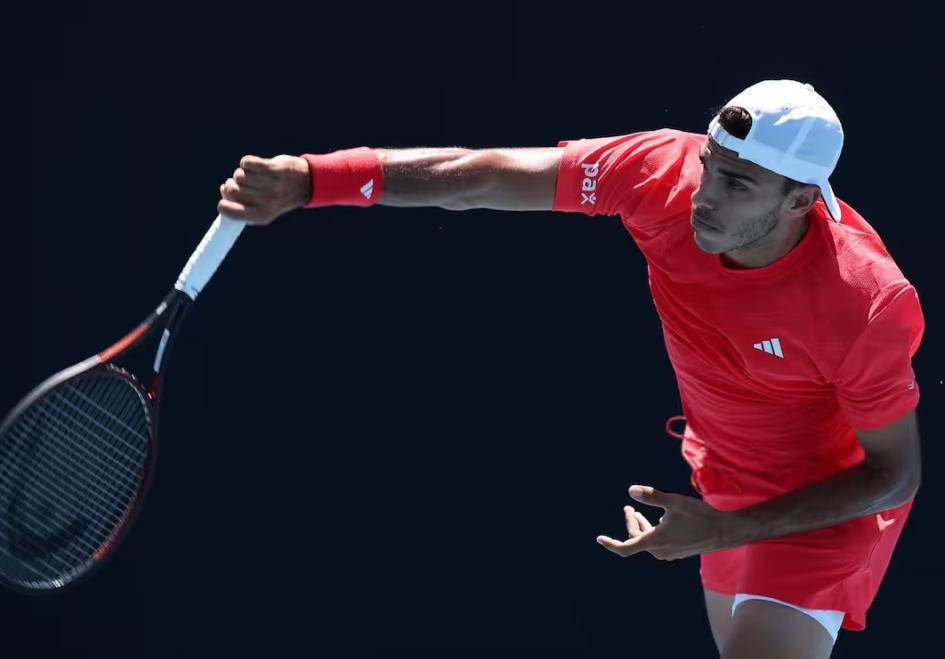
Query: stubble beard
(747,235)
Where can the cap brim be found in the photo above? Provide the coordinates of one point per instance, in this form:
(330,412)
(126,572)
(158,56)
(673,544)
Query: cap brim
(830,201)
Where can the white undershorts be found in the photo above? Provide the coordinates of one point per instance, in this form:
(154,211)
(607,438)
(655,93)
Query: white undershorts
(831,620)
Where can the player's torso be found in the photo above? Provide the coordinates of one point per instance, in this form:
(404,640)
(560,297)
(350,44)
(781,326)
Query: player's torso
(767,338)
(753,364)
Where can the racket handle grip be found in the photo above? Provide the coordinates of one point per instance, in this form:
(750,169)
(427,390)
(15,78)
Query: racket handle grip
(209,255)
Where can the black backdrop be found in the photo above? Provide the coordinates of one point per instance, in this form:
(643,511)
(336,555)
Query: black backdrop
(397,432)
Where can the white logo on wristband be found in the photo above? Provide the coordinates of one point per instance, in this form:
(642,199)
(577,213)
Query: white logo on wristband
(368,189)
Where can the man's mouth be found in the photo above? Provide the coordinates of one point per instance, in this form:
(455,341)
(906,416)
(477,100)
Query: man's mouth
(697,220)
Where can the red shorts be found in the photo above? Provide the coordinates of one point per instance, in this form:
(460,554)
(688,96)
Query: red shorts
(839,567)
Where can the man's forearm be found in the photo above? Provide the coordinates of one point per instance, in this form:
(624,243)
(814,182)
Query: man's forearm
(441,177)
(855,492)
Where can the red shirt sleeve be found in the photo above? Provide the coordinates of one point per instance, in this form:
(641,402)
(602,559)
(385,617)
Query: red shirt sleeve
(875,384)
(636,176)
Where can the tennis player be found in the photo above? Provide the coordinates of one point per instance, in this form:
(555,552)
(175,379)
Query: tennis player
(789,326)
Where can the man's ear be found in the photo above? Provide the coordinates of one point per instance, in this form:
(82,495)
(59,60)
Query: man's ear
(802,198)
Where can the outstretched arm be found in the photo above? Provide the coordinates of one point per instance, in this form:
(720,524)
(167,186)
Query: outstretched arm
(262,189)
(462,179)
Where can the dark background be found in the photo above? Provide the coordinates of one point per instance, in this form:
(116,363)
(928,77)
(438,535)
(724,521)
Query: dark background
(397,432)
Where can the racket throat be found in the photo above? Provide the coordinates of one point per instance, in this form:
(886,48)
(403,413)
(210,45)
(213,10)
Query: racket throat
(177,306)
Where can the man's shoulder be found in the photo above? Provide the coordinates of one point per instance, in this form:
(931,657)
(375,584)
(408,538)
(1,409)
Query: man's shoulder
(857,277)
(863,262)
(659,136)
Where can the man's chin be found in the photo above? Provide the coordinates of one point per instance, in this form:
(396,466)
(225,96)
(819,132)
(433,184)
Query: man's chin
(705,245)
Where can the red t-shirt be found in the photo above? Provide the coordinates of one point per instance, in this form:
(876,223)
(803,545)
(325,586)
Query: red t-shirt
(776,365)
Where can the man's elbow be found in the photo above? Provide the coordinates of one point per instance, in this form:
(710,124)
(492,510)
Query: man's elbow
(475,176)
(458,205)
(913,486)
(899,485)
(904,487)
(912,479)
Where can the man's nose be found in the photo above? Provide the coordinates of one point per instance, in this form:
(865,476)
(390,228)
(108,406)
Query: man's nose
(699,198)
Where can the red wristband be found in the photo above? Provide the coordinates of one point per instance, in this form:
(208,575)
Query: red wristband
(351,177)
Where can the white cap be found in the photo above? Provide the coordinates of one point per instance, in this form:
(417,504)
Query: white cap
(794,132)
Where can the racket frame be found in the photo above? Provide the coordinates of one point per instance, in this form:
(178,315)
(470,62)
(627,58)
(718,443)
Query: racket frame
(197,272)
(174,308)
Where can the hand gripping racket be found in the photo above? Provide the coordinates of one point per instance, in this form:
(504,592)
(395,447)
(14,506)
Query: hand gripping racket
(77,453)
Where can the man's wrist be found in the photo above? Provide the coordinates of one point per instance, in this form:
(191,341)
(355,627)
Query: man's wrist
(303,182)
(734,530)
(350,177)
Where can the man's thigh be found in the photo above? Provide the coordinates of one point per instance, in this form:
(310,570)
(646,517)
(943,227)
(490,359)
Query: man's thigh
(719,608)
(760,628)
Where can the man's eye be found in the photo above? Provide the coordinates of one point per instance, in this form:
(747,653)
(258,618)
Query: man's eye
(735,184)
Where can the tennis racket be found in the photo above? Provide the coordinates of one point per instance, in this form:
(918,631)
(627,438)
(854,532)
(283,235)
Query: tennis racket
(77,453)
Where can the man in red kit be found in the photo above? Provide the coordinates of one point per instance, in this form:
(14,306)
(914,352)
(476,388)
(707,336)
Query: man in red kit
(789,326)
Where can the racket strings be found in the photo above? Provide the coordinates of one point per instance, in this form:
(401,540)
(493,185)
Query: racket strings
(32,512)
(70,465)
(60,472)
(122,456)
(103,411)
(119,459)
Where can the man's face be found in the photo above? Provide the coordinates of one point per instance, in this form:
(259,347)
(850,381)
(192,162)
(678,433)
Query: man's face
(742,201)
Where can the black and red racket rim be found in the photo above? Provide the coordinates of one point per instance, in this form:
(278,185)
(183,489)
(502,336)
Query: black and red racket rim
(177,304)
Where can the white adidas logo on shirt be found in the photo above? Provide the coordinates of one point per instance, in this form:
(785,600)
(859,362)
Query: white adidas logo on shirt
(368,189)
(772,347)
